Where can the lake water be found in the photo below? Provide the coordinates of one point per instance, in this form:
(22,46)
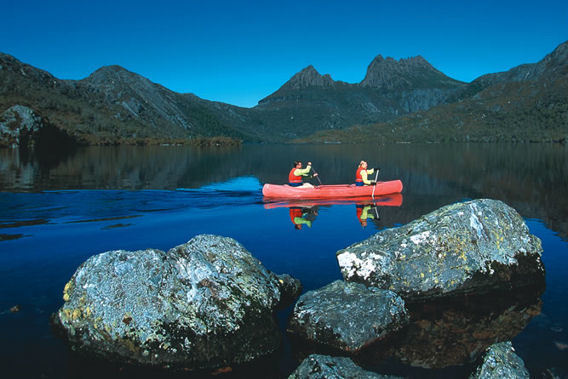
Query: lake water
(58,210)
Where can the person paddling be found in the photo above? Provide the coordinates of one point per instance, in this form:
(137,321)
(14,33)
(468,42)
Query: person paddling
(361,178)
(296,174)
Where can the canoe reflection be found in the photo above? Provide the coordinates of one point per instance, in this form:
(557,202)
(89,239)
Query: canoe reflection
(304,212)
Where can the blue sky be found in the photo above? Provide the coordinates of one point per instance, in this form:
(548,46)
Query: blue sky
(241,51)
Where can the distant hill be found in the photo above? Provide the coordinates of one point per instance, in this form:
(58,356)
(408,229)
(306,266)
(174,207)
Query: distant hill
(112,105)
(397,100)
(527,103)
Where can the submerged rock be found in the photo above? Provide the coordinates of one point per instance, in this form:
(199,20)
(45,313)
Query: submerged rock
(500,361)
(205,304)
(475,246)
(347,316)
(325,367)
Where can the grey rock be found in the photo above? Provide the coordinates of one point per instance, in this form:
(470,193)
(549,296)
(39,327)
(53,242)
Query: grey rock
(135,93)
(415,72)
(205,304)
(347,316)
(469,247)
(309,77)
(290,289)
(500,361)
(325,367)
(19,126)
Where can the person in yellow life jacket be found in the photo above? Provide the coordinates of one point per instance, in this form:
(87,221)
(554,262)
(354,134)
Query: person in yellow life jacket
(296,174)
(361,178)
(363,213)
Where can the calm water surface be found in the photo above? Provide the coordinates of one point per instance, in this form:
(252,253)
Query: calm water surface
(57,211)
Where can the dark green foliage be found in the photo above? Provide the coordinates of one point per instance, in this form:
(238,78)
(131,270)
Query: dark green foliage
(535,111)
(398,101)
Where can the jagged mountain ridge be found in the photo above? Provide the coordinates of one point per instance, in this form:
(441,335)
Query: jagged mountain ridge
(113,104)
(408,74)
(527,103)
(390,89)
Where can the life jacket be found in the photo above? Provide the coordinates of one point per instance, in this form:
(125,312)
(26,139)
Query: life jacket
(294,178)
(358,176)
(295,212)
(359,211)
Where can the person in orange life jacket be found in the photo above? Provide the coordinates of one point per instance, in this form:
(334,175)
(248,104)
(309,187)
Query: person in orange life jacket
(298,218)
(361,178)
(363,213)
(296,174)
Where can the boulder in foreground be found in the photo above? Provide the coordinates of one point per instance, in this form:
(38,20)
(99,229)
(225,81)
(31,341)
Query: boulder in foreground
(325,367)
(347,316)
(500,361)
(471,247)
(205,304)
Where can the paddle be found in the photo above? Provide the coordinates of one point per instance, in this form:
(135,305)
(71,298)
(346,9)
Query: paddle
(377,212)
(375,185)
(317,176)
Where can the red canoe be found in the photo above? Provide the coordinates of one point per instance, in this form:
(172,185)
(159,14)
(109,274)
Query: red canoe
(392,200)
(332,191)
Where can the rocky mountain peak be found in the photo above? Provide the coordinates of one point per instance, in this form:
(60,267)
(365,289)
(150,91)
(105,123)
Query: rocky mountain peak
(389,73)
(309,77)
(112,73)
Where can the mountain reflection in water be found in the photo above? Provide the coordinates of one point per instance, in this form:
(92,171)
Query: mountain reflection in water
(532,178)
(56,214)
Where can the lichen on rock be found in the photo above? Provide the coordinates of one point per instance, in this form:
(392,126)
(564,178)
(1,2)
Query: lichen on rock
(478,245)
(347,316)
(205,304)
(318,366)
(500,361)
(19,127)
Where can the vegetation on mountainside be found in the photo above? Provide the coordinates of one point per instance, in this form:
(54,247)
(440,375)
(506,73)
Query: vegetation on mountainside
(507,112)
(398,101)
(87,115)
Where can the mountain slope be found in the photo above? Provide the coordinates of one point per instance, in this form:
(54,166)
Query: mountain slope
(110,106)
(310,101)
(526,103)
(397,100)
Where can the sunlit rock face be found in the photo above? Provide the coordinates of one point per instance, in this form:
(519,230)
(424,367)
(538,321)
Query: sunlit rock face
(469,247)
(324,366)
(347,316)
(19,126)
(500,361)
(205,304)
